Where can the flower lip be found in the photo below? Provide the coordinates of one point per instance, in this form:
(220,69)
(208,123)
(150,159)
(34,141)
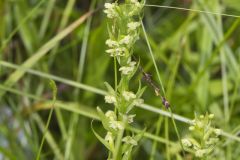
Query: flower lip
(129,140)
(128,95)
(133,26)
(110,99)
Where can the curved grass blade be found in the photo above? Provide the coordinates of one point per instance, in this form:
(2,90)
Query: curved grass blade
(54,90)
(103,141)
(15,76)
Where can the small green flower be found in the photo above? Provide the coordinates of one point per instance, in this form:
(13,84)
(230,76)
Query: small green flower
(186,142)
(116,125)
(111,43)
(204,138)
(128,95)
(132,26)
(126,70)
(126,40)
(119,51)
(217,132)
(111,115)
(191,128)
(138,102)
(129,140)
(109,137)
(130,118)
(134,1)
(110,99)
(211,116)
(201,116)
(201,153)
(200,124)
(110,10)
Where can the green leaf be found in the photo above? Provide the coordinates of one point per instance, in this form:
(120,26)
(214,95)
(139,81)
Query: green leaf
(135,70)
(127,148)
(127,154)
(105,121)
(138,95)
(103,141)
(140,92)
(31,61)
(109,88)
(140,135)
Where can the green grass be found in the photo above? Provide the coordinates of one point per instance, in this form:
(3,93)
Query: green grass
(191,49)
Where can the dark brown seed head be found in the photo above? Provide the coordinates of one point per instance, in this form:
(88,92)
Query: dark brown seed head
(165,102)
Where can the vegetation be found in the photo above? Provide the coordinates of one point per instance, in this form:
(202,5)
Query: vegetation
(150,66)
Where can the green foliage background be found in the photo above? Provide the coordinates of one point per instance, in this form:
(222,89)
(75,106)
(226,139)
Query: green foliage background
(197,54)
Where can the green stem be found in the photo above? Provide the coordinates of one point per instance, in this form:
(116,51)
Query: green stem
(175,127)
(116,154)
(44,134)
(153,59)
(160,81)
(154,147)
(31,13)
(115,78)
(167,138)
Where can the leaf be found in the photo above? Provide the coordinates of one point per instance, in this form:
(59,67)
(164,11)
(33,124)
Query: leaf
(140,135)
(103,141)
(127,148)
(140,92)
(105,121)
(31,61)
(127,154)
(109,88)
(135,70)
(138,96)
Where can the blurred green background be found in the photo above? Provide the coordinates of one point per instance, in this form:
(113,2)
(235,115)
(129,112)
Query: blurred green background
(197,54)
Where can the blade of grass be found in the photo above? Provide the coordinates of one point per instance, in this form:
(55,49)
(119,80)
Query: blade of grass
(174,67)
(154,146)
(205,48)
(193,10)
(215,52)
(226,56)
(7,154)
(49,138)
(53,77)
(31,13)
(216,31)
(28,30)
(143,106)
(74,119)
(54,90)
(63,23)
(161,84)
(15,76)
(46,18)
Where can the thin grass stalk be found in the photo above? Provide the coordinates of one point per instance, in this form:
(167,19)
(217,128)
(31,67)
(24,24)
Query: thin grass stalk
(63,23)
(146,107)
(160,81)
(194,10)
(74,119)
(54,88)
(15,76)
(30,14)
